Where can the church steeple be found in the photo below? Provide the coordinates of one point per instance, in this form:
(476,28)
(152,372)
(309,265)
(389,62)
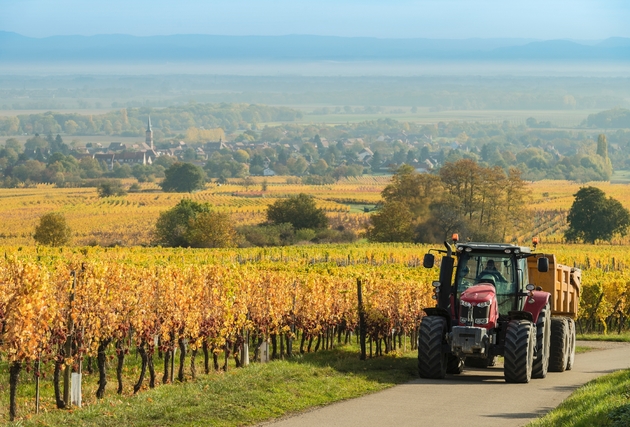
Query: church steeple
(149,133)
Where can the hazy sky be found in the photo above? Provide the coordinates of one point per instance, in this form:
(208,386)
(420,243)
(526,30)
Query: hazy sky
(539,19)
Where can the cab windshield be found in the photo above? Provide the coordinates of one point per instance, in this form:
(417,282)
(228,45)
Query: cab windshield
(495,269)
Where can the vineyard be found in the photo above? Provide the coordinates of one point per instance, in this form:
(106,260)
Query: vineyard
(86,306)
(129,220)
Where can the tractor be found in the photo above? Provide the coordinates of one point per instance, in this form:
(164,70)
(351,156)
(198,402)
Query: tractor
(495,300)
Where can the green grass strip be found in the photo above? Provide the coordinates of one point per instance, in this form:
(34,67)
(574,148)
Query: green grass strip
(625,337)
(245,396)
(604,401)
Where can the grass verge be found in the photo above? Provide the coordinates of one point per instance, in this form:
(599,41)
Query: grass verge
(243,396)
(625,337)
(582,349)
(604,401)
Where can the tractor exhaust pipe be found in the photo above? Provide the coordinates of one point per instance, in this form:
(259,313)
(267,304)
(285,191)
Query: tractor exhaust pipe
(446,276)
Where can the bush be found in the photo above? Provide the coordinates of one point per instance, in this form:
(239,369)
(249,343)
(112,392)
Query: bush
(300,211)
(305,234)
(211,230)
(335,236)
(183,178)
(267,235)
(52,230)
(172,227)
(110,188)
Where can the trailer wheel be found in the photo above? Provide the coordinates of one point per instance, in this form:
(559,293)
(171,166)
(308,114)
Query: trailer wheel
(559,344)
(543,342)
(519,351)
(431,360)
(571,356)
(454,365)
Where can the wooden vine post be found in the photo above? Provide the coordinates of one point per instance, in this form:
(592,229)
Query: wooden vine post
(67,375)
(37,374)
(362,326)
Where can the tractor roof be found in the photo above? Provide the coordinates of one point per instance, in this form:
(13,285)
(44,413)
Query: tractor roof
(492,247)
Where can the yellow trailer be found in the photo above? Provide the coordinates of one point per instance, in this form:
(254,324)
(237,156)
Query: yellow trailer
(563,284)
(561,281)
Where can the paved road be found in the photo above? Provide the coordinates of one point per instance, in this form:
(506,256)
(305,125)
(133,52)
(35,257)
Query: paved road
(478,397)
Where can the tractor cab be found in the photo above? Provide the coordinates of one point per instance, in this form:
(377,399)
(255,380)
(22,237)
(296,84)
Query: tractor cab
(502,267)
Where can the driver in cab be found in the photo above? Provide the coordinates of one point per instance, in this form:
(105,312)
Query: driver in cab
(490,274)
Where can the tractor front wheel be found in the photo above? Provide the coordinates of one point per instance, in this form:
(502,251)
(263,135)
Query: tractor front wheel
(519,351)
(432,362)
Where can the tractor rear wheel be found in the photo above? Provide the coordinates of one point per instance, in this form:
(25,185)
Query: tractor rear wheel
(431,360)
(519,351)
(454,365)
(543,342)
(559,344)
(571,356)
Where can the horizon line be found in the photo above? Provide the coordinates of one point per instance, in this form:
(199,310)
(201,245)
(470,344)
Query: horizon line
(531,39)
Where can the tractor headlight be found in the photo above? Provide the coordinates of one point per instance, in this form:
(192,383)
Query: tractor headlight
(465,303)
(484,304)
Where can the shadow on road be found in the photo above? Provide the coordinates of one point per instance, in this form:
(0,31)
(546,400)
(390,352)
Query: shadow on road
(523,415)
(602,372)
(562,388)
(387,369)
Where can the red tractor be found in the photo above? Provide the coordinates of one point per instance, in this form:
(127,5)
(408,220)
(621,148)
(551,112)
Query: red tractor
(505,301)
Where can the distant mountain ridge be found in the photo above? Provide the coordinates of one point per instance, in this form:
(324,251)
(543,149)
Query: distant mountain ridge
(17,48)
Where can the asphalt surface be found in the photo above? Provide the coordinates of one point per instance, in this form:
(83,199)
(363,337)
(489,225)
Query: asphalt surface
(478,397)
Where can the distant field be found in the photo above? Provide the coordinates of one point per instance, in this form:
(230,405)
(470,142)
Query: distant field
(87,111)
(129,220)
(560,118)
(105,140)
(620,177)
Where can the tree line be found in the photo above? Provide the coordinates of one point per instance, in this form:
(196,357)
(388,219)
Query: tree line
(169,121)
(479,203)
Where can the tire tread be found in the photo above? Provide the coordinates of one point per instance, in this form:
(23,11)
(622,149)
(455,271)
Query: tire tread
(431,361)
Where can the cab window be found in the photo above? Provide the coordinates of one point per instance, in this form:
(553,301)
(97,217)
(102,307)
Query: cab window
(494,269)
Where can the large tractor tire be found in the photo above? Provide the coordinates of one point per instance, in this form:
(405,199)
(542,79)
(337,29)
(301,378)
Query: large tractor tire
(520,340)
(572,332)
(559,344)
(477,362)
(432,361)
(454,365)
(543,343)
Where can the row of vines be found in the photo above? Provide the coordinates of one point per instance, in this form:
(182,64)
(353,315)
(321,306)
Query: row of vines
(61,309)
(65,307)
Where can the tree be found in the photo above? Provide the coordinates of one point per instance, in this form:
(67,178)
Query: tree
(462,179)
(299,211)
(172,228)
(248,182)
(413,189)
(183,178)
(52,230)
(375,163)
(393,223)
(594,217)
(602,146)
(211,230)
(110,188)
